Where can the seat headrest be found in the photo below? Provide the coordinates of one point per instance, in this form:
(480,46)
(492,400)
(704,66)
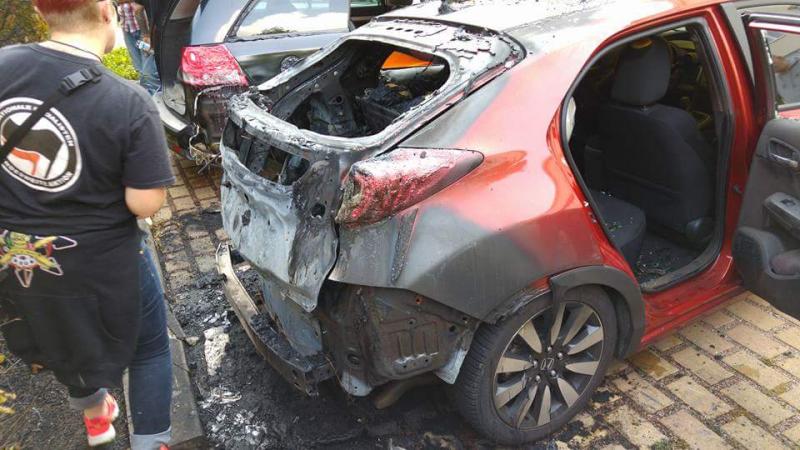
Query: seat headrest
(643,72)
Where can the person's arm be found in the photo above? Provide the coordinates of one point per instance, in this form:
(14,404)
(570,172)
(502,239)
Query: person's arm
(144,203)
(146,170)
(140,15)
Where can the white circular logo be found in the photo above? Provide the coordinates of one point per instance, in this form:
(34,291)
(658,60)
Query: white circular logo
(47,158)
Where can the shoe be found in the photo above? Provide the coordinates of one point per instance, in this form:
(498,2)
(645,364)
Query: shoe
(99,430)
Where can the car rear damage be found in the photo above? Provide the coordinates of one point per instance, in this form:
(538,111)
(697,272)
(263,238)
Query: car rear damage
(317,152)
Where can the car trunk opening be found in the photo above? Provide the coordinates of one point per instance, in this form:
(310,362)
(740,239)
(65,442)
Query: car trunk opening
(289,146)
(377,84)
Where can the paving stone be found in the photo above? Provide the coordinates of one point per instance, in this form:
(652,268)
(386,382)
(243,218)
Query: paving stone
(668,343)
(756,341)
(209,204)
(791,365)
(176,255)
(791,336)
(706,338)
(199,182)
(222,235)
(178,191)
(162,215)
(603,396)
(793,434)
(653,365)
(202,246)
(701,365)
(634,427)
(698,397)
(590,433)
(693,432)
(204,193)
(755,315)
(792,397)
(180,279)
(758,404)
(206,263)
(183,203)
(642,392)
(719,319)
(750,435)
(195,231)
(760,301)
(751,367)
(175,265)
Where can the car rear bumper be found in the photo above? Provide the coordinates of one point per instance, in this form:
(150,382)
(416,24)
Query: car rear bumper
(303,372)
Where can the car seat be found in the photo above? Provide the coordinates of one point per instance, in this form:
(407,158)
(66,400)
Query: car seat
(653,154)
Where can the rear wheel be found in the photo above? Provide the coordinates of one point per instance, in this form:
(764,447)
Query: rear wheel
(529,375)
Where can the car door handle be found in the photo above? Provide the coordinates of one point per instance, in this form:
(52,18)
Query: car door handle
(783,154)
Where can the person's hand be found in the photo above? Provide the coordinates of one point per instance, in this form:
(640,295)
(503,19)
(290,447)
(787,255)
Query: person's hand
(146,39)
(780,64)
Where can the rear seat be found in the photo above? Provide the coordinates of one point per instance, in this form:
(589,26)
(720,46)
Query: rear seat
(625,222)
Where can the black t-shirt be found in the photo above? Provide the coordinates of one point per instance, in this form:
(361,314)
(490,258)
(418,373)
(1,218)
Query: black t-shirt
(69,173)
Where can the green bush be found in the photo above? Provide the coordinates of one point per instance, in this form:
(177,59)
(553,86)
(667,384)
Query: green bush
(119,61)
(19,23)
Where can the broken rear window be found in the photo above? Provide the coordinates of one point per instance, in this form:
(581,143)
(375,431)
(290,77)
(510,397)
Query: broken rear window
(382,72)
(375,84)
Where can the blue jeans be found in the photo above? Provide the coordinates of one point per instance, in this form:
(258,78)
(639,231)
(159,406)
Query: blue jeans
(136,55)
(150,372)
(149,78)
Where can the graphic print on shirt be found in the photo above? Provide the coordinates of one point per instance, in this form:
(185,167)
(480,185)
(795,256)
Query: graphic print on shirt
(47,158)
(25,253)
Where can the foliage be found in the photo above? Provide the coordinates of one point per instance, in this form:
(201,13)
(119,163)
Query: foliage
(19,23)
(5,396)
(119,61)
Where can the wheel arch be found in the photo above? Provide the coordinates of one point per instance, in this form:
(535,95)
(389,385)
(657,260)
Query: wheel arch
(624,294)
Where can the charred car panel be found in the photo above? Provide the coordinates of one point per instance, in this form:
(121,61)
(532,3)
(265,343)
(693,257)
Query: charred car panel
(298,211)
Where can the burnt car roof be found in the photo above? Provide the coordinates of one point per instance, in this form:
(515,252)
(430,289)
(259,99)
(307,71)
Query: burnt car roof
(523,18)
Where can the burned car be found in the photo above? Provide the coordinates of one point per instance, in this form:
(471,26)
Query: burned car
(510,195)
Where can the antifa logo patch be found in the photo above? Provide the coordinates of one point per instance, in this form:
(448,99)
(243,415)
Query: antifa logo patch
(47,158)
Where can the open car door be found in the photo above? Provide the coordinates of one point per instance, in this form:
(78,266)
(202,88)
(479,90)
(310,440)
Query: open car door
(766,246)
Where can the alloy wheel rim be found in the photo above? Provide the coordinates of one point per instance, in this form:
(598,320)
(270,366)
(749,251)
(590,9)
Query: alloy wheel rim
(547,365)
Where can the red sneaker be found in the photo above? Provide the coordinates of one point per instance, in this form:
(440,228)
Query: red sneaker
(99,430)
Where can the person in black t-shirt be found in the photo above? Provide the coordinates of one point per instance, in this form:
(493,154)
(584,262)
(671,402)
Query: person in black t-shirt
(79,291)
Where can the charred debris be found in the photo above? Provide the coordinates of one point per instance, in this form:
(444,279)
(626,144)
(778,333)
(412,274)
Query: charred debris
(372,87)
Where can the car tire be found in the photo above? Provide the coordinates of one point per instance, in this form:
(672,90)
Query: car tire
(560,377)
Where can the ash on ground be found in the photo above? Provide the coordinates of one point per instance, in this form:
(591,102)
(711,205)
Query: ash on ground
(245,404)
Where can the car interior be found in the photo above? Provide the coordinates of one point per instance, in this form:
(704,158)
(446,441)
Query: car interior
(644,134)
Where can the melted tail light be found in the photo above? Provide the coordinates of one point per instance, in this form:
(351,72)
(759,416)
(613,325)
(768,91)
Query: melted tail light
(379,187)
(211,65)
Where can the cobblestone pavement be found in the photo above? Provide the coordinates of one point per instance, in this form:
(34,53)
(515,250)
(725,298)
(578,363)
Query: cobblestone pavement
(729,380)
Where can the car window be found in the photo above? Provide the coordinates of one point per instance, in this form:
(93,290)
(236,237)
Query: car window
(268,17)
(784,53)
(784,50)
(365,3)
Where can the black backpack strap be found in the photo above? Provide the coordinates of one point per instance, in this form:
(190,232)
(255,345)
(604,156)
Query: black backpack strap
(68,85)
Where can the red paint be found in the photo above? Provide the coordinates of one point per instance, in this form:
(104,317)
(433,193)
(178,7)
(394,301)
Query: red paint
(525,187)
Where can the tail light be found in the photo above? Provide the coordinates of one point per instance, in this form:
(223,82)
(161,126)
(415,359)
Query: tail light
(211,65)
(380,187)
